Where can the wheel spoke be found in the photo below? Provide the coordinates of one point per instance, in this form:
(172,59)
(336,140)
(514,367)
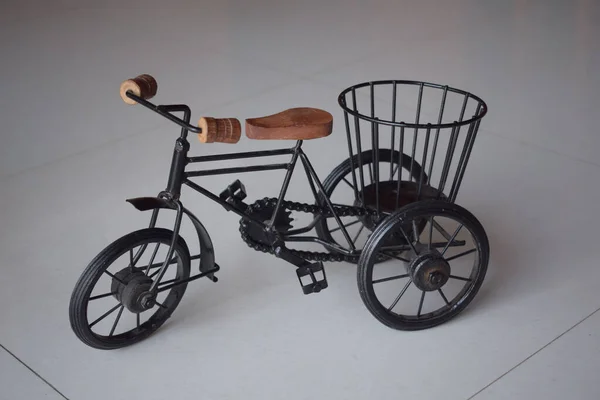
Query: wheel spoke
(116,321)
(160,305)
(131,263)
(345,226)
(152,258)
(421,304)
(391,278)
(158,265)
(464,253)
(349,184)
(415,230)
(395,257)
(412,246)
(152,275)
(358,233)
(394,173)
(443,296)
(370,172)
(173,261)
(430,232)
(451,239)
(106,314)
(137,320)
(399,296)
(460,278)
(114,277)
(101,296)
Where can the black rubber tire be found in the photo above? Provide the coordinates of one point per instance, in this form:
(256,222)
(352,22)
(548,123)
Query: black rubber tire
(368,259)
(343,169)
(92,273)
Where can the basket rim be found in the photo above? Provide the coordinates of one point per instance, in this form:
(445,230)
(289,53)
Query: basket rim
(482,104)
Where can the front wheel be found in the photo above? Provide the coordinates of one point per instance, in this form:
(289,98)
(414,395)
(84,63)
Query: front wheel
(441,269)
(111,306)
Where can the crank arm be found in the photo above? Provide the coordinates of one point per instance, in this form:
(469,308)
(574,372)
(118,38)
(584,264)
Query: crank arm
(287,255)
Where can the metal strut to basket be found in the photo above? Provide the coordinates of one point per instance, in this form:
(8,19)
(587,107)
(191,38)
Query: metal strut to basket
(425,177)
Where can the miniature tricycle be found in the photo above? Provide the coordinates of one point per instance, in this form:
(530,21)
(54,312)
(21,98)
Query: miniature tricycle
(395,198)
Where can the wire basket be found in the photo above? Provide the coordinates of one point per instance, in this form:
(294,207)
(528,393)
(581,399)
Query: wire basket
(424,131)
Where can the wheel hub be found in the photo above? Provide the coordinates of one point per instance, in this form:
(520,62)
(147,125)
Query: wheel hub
(429,271)
(132,289)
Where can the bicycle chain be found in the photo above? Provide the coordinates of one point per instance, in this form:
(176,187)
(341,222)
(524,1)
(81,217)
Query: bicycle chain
(342,211)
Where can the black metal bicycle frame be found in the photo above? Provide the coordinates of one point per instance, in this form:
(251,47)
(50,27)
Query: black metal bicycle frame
(178,176)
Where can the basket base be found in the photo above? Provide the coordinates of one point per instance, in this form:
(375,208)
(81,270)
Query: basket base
(391,200)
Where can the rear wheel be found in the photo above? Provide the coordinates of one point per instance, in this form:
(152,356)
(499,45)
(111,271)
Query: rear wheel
(111,306)
(437,276)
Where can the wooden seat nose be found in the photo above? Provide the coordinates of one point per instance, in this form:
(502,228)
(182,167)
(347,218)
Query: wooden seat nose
(293,124)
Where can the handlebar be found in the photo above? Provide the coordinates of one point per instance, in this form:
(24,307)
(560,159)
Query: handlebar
(143,87)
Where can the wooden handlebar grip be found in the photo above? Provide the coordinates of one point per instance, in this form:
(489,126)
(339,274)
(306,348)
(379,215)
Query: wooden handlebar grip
(224,130)
(144,86)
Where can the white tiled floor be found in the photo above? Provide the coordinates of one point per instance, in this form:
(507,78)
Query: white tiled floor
(567,368)
(19,383)
(72,151)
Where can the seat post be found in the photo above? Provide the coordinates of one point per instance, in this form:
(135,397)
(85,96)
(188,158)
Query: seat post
(286,183)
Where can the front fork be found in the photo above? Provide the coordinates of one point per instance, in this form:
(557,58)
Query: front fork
(176,177)
(207,267)
(176,228)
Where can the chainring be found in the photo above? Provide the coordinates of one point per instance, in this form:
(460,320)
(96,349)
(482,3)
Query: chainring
(250,232)
(264,213)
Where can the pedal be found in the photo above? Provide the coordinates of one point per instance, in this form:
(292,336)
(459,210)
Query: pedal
(314,277)
(234,194)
